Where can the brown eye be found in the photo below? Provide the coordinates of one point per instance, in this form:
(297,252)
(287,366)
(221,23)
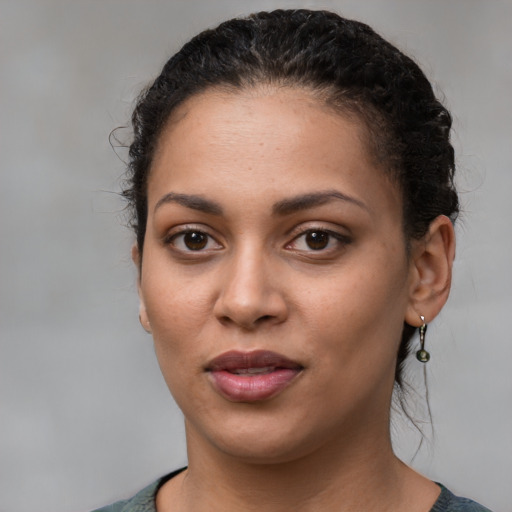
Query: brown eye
(191,240)
(317,240)
(195,240)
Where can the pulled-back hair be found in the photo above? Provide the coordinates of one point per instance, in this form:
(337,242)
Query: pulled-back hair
(347,66)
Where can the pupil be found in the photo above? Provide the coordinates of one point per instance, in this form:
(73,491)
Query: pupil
(195,241)
(317,240)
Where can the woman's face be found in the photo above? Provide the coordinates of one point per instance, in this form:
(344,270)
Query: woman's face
(274,278)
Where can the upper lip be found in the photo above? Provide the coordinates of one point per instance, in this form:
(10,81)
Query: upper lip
(235,360)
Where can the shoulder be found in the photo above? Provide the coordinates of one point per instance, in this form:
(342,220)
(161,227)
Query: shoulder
(143,501)
(448,502)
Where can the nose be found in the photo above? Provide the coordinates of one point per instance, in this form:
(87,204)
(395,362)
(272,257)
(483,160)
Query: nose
(250,294)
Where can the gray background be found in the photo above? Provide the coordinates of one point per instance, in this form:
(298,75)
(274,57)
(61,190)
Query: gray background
(85,417)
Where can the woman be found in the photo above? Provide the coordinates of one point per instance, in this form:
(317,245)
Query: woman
(291,180)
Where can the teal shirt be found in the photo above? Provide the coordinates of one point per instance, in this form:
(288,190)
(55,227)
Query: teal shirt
(144,501)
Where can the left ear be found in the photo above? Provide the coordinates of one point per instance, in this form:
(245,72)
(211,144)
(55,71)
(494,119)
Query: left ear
(431,271)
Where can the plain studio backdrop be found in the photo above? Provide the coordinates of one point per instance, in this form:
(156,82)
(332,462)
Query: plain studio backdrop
(85,416)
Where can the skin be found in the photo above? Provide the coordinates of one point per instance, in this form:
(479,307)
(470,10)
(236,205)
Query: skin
(323,443)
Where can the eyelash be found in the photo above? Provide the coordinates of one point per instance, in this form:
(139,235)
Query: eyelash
(173,237)
(340,240)
(324,236)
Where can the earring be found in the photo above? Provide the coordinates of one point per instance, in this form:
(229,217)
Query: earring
(422,355)
(148,328)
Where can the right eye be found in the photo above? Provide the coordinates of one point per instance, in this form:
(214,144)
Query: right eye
(193,240)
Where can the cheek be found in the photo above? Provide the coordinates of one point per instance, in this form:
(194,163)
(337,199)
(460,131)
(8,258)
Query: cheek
(355,343)
(178,311)
(178,321)
(175,302)
(359,312)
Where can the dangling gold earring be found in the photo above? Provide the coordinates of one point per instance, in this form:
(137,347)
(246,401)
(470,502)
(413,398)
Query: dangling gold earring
(147,329)
(422,355)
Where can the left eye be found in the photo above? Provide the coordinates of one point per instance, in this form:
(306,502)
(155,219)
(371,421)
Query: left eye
(193,240)
(317,240)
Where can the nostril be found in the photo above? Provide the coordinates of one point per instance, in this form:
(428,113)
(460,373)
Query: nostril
(249,325)
(224,319)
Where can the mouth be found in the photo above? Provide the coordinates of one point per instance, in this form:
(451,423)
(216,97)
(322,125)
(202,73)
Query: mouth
(251,376)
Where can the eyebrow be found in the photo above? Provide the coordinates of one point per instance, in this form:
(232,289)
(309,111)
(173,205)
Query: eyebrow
(306,201)
(193,202)
(283,207)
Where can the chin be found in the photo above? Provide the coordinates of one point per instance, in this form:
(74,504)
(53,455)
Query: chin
(256,450)
(261,437)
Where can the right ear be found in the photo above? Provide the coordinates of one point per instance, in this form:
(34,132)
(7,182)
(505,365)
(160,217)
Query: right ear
(143,315)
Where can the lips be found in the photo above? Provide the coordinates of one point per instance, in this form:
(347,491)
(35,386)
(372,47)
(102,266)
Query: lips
(251,376)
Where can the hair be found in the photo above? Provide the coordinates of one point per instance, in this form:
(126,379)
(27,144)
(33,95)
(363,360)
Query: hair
(347,66)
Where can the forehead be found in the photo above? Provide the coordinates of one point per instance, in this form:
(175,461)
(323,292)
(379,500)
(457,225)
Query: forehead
(264,141)
(270,117)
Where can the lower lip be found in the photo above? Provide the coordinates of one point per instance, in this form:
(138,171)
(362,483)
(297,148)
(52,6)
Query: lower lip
(252,388)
